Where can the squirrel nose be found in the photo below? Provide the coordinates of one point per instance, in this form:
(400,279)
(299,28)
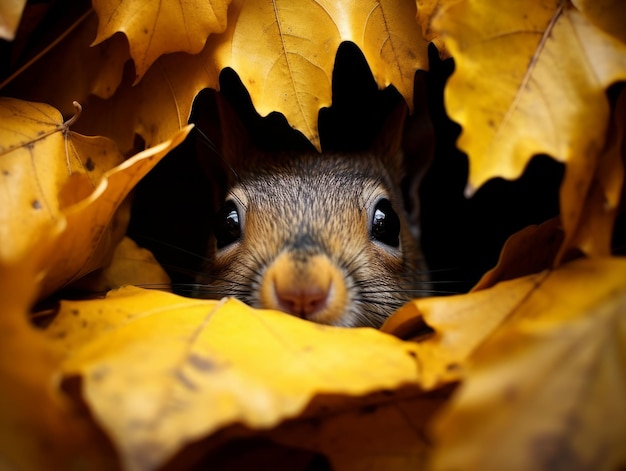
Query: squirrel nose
(300,301)
(313,289)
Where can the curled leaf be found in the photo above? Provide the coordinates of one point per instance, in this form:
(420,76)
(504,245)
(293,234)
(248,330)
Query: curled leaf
(547,388)
(541,55)
(196,366)
(154,29)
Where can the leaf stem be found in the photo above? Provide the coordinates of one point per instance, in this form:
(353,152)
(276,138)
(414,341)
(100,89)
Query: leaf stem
(45,50)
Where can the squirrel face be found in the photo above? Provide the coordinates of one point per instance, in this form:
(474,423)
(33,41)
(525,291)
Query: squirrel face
(321,237)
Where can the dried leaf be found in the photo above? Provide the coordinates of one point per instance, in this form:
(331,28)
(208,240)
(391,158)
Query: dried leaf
(426,11)
(130,265)
(40,428)
(288,68)
(546,390)
(154,29)
(531,250)
(388,434)
(88,233)
(196,366)
(590,227)
(156,108)
(461,323)
(391,41)
(552,68)
(45,168)
(605,14)
(61,191)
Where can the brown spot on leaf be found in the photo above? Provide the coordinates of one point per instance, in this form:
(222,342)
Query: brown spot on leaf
(90,165)
(99,373)
(186,382)
(201,363)
(36,204)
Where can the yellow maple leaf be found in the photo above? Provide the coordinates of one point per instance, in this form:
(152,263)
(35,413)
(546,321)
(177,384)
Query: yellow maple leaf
(547,388)
(61,190)
(589,223)
(156,108)
(196,366)
(461,323)
(426,11)
(154,29)
(606,14)
(290,69)
(551,67)
(46,168)
(286,68)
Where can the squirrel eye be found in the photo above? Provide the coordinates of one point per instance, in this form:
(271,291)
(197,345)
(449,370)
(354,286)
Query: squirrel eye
(385,224)
(228,229)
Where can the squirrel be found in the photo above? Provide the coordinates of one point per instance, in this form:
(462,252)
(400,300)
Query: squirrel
(321,236)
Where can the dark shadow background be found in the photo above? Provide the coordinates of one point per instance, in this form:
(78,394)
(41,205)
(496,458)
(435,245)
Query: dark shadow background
(462,237)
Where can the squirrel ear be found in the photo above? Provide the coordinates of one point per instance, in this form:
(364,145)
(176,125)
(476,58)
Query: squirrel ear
(388,144)
(418,144)
(235,145)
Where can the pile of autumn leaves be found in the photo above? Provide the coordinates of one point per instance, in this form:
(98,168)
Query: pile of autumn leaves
(536,349)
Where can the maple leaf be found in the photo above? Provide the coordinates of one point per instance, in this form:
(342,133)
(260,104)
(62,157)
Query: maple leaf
(46,168)
(546,389)
(288,70)
(61,190)
(538,68)
(547,100)
(154,29)
(196,366)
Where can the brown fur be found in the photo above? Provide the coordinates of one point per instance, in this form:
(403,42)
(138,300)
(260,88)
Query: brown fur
(306,219)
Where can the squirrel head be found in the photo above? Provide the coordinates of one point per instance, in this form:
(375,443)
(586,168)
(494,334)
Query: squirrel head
(321,236)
